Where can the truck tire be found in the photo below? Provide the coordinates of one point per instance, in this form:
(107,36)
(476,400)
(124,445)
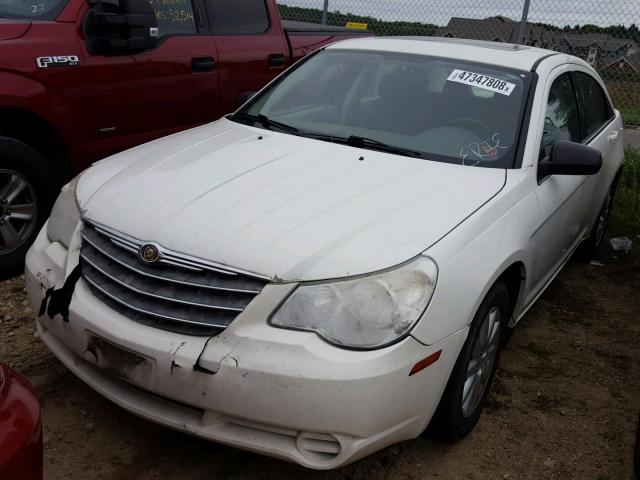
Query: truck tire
(28,188)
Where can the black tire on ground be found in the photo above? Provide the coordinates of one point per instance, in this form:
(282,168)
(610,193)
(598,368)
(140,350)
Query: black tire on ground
(590,248)
(449,422)
(19,158)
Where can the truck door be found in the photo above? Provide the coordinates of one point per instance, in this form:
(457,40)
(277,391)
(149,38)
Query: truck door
(134,98)
(252,48)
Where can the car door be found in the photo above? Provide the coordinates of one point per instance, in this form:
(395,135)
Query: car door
(251,45)
(599,131)
(134,98)
(560,197)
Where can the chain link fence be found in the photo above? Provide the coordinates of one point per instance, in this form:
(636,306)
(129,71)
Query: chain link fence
(605,33)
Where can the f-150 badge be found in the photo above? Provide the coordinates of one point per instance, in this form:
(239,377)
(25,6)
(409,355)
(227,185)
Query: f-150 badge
(58,61)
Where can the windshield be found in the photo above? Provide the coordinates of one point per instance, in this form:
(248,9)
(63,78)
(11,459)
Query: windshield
(31,9)
(434,108)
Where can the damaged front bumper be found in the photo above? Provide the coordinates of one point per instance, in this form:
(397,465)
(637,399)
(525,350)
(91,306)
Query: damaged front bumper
(283,393)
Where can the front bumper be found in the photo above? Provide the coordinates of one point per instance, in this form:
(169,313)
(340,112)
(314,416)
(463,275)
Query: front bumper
(283,393)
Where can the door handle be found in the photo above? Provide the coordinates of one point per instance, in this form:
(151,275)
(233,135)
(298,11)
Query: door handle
(613,137)
(276,60)
(202,64)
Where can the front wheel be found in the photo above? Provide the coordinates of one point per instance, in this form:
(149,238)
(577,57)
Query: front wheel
(471,378)
(27,191)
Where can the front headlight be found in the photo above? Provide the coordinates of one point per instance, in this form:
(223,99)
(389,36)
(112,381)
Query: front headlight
(65,215)
(365,312)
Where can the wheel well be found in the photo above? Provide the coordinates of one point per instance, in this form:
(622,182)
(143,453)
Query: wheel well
(513,278)
(39,134)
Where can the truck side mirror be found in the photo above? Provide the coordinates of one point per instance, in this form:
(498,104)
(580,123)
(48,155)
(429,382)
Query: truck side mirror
(120,26)
(570,158)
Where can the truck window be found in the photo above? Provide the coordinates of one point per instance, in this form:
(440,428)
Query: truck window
(174,17)
(231,17)
(36,10)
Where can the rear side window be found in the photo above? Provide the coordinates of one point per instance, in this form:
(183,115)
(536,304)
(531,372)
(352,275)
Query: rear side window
(233,17)
(562,119)
(596,109)
(174,17)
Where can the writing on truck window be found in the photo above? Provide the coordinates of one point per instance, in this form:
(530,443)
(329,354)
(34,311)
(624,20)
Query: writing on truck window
(174,16)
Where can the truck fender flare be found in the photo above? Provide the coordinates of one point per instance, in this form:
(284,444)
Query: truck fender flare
(32,97)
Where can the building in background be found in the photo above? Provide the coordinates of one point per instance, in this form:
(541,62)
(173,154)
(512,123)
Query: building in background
(599,49)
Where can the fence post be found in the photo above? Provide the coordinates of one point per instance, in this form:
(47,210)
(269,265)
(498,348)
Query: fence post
(522,32)
(324,12)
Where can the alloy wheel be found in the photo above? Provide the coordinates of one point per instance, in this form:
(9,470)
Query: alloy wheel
(482,361)
(18,211)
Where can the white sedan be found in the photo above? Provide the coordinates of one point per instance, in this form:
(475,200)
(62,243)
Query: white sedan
(335,266)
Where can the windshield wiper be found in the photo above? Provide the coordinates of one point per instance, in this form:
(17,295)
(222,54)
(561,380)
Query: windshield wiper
(266,122)
(362,142)
(372,143)
(352,140)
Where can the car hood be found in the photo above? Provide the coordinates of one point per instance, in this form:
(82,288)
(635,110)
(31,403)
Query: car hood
(285,207)
(12,29)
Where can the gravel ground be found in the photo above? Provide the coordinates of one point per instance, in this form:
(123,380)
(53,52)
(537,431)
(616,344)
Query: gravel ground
(564,404)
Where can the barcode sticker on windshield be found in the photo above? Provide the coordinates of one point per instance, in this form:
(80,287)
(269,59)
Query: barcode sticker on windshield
(482,81)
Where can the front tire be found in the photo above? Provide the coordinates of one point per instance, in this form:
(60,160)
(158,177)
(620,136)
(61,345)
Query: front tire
(466,392)
(28,189)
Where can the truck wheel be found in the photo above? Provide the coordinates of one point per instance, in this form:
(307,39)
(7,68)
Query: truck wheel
(466,392)
(28,189)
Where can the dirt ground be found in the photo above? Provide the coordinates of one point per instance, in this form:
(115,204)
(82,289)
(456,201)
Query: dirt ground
(564,404)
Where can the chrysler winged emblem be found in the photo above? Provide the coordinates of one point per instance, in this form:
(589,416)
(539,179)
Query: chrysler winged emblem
(149,253)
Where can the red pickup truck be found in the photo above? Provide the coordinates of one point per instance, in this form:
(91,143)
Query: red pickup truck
(20,428)
(83,79)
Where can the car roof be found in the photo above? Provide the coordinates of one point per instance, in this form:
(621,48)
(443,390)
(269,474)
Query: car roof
(519,57)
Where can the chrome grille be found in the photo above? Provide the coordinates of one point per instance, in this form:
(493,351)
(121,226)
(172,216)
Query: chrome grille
(179,293)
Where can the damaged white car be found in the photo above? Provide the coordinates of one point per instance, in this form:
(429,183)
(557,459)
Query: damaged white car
(334,267)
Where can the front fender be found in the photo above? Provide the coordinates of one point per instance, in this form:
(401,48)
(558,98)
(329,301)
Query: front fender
(473,256)
(18,91)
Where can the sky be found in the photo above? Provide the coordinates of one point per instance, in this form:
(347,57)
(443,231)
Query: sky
(556,12)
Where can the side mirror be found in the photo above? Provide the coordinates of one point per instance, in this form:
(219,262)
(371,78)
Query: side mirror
(570,158)
(120,26)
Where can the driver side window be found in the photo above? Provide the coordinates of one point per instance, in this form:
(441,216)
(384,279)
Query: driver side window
(562,119)
(174,17)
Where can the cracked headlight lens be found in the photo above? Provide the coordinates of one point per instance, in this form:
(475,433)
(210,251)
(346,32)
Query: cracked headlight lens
(65,215)
(365,312)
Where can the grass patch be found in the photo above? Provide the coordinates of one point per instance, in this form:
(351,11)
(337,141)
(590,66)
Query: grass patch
(630,115)
(625,94)
(625,218)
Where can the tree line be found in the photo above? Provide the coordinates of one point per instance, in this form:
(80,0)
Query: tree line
(384,27)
